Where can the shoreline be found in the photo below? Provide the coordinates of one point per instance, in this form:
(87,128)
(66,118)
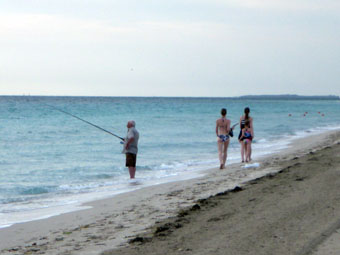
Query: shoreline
(132,185)
(196,172)
(112,222)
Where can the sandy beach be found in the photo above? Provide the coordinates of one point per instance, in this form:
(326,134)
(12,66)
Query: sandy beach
(290,204)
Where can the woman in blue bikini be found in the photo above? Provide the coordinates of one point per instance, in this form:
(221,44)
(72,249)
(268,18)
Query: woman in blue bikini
(246,138)
(222,131)
(243,119)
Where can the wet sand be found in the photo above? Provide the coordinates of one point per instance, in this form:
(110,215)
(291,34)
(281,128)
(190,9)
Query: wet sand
(293,209)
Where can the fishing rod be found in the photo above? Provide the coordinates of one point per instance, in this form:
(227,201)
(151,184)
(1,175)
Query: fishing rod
(74,116)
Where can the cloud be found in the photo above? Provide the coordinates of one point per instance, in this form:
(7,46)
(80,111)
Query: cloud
(289,5)
(35,27)
(273,5)
(45,29)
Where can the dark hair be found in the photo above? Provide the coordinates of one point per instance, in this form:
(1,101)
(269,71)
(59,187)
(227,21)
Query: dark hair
(247,123)
(246,112)
(223,111)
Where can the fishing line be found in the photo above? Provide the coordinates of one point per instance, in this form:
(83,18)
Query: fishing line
(94,125)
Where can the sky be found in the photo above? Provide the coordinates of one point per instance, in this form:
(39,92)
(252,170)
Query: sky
(195,48)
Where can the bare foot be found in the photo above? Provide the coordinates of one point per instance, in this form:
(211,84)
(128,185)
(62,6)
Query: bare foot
(221,166)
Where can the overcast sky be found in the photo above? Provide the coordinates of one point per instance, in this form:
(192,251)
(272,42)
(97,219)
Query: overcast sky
(169,47)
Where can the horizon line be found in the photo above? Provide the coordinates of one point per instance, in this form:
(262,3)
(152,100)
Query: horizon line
(241,96)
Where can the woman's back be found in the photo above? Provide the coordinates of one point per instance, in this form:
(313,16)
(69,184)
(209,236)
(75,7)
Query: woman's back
(223,125)
(243,121)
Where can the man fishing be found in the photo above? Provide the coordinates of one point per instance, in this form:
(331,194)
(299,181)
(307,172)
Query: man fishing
(130,141)
(131,147)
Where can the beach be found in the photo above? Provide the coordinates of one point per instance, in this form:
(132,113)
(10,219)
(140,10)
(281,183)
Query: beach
(290,204)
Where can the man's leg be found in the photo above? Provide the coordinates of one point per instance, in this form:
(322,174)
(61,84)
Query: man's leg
(131,164)
(132,171)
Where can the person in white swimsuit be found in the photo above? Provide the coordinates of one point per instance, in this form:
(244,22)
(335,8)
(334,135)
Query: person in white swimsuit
(223,139)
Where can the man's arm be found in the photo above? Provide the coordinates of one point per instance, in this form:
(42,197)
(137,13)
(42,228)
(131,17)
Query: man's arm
(128,142)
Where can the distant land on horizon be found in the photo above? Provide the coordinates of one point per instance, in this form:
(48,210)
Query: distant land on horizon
(290,97)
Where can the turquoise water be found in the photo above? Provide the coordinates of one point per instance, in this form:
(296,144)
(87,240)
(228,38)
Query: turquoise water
(51,160)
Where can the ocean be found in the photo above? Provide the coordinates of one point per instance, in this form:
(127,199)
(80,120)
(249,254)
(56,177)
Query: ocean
(50,162)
